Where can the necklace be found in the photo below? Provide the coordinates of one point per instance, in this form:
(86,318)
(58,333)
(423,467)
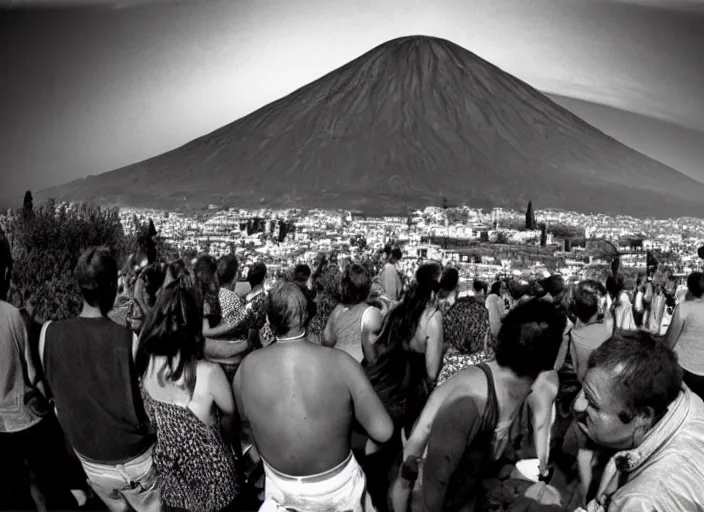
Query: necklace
(293,338)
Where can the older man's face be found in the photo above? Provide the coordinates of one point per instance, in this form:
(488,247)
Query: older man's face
(596,410)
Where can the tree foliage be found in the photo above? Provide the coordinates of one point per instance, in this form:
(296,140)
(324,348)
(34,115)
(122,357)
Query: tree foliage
(46,247)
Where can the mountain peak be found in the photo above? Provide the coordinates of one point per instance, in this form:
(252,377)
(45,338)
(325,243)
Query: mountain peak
(411,121)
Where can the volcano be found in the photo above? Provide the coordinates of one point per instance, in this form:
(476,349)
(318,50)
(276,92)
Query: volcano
(416,121)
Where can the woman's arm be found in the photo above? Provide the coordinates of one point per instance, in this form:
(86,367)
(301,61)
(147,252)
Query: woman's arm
(371,325)
(434,346)
(456,426)
(674,330)
(329,335)
(223,398)
(541,402)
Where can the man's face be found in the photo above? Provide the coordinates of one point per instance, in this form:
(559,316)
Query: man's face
(596,409)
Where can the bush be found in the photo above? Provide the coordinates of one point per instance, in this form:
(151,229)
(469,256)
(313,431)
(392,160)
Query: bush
(46,247)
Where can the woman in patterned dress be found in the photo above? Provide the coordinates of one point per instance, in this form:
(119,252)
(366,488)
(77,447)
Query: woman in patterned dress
(186,398)
(465,326)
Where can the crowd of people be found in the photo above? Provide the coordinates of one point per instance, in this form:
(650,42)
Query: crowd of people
(180,387)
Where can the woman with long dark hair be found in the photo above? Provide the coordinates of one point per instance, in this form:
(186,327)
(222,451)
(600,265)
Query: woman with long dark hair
(404,360)
(185,398)
(402,364)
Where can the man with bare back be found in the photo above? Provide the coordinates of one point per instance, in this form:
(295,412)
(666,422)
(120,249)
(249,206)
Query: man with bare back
(301,401)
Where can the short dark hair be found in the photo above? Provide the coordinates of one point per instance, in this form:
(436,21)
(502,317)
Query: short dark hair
(479,286)
(396,253)
(496,287)
(554,285)
(227,268)
(288,306)
(647,375)
(301,273)
(96,275)
(530,338)
(355,285)
(695,284)
(449,279)
(586,301)
(256,274)
(428,276)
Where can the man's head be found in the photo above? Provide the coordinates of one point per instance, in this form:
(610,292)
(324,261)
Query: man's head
(553,285)
(386,252)
(256,274)
(449,280)
(355,285)
(289,308)
(228,267)
(396,255)
(586,301)
(479,287)
(96,274)
(695,284)
(529,338)
(302,275)
(631,380)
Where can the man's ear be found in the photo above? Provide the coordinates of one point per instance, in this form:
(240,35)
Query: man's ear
(646,419)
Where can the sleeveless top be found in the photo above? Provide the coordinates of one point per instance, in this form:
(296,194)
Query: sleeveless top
(478,458)
(347,324)
(196,468)
(400,379)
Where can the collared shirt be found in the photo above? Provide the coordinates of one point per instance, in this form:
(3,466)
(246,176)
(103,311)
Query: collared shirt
(22,400)
(666,472)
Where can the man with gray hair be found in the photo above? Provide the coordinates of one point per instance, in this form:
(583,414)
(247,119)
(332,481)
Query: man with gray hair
(301,401)
(633,403)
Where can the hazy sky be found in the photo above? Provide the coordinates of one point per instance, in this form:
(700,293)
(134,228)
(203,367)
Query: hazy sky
(89,90)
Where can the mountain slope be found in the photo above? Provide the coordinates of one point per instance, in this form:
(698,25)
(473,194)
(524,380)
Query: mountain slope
(406,124)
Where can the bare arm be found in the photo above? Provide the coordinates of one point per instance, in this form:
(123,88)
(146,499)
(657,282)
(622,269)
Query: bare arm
(20,333)
(675,328)
(371,325)
(416,444)
(237,391)
(329,336)
(564,348)
(456,426)
(221,391)
(433,349)
(541,402)
(368,409)
(221,349)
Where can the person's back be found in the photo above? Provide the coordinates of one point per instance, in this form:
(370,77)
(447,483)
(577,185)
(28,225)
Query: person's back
(90,371)
(301,401)
(690,345)
(305,389)
(188,430)
(347,325)
(21,402)
(89,367)
(585,339)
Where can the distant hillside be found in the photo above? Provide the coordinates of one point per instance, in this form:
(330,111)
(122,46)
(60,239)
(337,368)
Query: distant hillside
(411,122)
